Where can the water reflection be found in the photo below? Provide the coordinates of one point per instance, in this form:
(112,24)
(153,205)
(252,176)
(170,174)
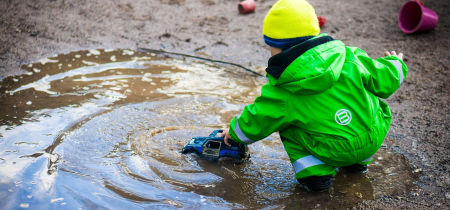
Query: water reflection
(103,129)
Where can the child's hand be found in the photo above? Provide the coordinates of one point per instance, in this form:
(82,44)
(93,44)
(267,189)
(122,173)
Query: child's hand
(400,55)
(226,136)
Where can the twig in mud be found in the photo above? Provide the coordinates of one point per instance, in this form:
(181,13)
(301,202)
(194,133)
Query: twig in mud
(206,59)
(170,128)
(155,131)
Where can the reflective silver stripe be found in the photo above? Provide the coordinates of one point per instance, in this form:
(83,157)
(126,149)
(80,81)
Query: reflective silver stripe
(368,159)
(306,162)
(240,134)
(398,65)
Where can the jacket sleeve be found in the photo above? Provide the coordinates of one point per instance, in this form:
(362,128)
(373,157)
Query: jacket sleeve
(384,75)
(260,119)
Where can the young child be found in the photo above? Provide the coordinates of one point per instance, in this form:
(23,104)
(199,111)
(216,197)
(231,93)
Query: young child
(322,97)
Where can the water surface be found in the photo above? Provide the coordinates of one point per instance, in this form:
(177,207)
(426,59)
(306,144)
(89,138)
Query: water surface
(103,129)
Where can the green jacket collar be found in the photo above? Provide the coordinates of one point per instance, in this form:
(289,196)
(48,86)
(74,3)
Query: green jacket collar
(310,67)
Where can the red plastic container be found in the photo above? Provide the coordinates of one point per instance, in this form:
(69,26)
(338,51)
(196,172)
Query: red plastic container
(414,17)
(246,6)
(322,20)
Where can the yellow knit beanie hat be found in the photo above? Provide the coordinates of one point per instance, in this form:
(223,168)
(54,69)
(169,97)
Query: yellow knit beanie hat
(288,22)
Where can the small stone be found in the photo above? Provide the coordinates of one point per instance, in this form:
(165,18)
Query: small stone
(447,195)
(417,170)
(400,198)
(358,195)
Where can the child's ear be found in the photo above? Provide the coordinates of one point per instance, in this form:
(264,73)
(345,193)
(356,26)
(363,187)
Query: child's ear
(274,50)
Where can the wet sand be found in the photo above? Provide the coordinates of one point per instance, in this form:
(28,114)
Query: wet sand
(34,30)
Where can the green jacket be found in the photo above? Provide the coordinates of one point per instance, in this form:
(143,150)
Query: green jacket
(321,88)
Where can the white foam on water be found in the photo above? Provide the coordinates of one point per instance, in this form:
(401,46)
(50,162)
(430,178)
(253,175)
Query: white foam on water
(44,83)
(47,60)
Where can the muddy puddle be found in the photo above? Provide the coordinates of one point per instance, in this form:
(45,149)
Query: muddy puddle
(103,129)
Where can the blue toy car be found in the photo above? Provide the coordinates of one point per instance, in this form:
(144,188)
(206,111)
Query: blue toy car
(213,147)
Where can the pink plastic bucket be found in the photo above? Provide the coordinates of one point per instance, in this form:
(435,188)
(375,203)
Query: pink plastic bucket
(246,6)
(414,17)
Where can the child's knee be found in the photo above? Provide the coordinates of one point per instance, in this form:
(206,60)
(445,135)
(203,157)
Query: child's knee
(311,166)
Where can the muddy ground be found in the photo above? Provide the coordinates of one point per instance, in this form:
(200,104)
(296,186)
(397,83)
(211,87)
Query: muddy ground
(33,30)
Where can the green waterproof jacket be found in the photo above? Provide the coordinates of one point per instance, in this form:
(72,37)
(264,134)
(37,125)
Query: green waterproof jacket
(324,96)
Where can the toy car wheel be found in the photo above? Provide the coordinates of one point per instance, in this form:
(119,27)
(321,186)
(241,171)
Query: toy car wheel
(245,154)
(190,151)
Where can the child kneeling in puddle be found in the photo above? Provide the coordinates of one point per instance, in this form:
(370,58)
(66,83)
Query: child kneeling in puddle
(322,97)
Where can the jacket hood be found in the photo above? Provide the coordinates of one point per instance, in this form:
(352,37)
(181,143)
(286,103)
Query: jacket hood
(308,68)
